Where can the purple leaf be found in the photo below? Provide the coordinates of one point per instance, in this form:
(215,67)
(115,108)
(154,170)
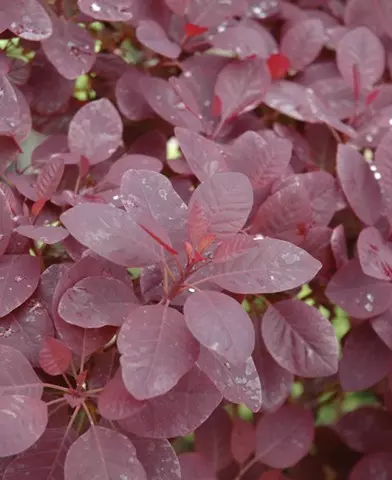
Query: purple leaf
(6,223)
(115,402)
(243,40)
(55,357)
(233,247)
(382,325)
(48,235)
(107,230)
(276,381)
(157,350)
(366,429)
(243,439)
(375,255)
(164,100)
(153,36)
(220,206)
(129,97)
(23,421)
(360,51)
(95,302)
(241,86)
(85,131)
(205,157)
(359,184)
(238,384)
(221,324)
(108,10)
(101,453)
(262,158)
(145,193)
(158,458)
(359,295)
(26,327)
(44,459)
(339,246)
(49,178)
(272,266)
(300,339)
(372,467)
(17,376)
(365,359)
(287,214)
(302,43)
(195,467)
(79,339)
(178,412)
(208,13)
(9,107)
(19,275)
(34,25)
(132,162)
(284,437)
(212,439)
(70,49)
(383,164)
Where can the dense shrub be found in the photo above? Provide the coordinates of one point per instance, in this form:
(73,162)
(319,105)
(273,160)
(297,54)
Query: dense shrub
(195,225)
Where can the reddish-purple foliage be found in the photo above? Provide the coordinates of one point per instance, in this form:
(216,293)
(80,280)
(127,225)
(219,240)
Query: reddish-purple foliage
(173,172)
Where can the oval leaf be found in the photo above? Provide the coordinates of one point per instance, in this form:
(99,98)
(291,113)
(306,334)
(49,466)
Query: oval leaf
(101,453)
(359,184)
(284,437)
(221,324)
(97,301)
(365,359)
(157,350)
(375,255)
(17,376)
(360,58)
(85,131)
(55,357)
(178,412)
(302,43)
(300,339)
(272,266)
(19,277)
(107,231)
(23,420)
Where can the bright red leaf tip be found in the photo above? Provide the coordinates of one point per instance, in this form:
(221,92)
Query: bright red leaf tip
(193,30)
(278,65)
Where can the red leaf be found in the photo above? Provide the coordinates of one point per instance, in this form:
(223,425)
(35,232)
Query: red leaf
(193,30)
(55,357)
(195,467)
(278,65)
(373,467)
(38,206)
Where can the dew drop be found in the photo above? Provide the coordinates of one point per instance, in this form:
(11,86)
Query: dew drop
(259,236)
(18,279)
(162,193)
(95,7)
(180,106)
(187,74)
(369,307)
(222,27)
(377,175)
(370,297)
(191,290)
(227,365)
